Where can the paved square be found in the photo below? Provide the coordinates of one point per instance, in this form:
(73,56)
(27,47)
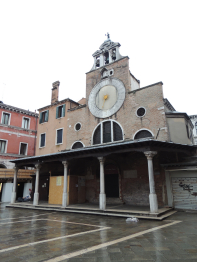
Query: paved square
(27,235)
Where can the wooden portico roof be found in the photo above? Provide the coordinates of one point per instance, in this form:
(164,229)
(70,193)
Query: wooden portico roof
(141,145)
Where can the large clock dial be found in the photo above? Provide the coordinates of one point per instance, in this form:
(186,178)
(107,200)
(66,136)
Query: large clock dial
(106,97)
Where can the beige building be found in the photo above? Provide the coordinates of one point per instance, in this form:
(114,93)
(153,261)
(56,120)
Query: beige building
(53,122)
(113,148)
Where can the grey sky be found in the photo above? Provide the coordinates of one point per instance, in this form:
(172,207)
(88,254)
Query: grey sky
(45,41)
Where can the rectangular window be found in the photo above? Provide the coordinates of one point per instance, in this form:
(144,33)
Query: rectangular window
(44,116)
(60,111)
(42,140)
(59,136)
(25,123)
(5,118)
(23,149)
(3,146)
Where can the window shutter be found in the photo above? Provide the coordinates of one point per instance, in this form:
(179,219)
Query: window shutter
(47,116)
(117,132)
(57,110)
(63,110)
(97,136)
(40,120)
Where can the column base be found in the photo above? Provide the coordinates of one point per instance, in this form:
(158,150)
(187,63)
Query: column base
(153,203)
(36,198)
(102,201)
(13,197)
(64,199)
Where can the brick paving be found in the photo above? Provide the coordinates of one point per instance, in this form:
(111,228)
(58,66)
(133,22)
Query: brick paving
(72,233)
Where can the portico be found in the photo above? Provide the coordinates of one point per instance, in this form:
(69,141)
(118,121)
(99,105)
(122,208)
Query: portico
(82,171)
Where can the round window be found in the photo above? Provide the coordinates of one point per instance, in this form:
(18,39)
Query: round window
(141,111)
(77,126)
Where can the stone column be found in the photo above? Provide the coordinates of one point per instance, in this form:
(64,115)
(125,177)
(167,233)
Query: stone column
(36,193)
(102,196)
(101,60)
(13,197)
(152,195)
(110,56)
(65,194)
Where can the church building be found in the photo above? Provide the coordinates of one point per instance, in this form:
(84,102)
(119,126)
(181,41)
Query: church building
(111,147)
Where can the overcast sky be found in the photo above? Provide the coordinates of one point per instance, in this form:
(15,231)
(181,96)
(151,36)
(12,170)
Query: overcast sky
(45,41)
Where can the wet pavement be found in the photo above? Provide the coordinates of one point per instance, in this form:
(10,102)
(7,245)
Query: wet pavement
(32,235)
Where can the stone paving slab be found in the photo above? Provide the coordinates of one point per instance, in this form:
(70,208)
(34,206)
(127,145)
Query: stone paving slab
(170,243)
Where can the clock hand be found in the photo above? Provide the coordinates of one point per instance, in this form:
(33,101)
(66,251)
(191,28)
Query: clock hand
(105,98)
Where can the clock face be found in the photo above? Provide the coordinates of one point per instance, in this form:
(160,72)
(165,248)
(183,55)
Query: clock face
(106,97)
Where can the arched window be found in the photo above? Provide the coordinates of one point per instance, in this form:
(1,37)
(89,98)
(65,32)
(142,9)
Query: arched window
(196,127)
(107,131)
(77,145)
(143,134)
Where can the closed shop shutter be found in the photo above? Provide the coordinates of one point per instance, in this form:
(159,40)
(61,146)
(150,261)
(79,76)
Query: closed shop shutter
(184,191)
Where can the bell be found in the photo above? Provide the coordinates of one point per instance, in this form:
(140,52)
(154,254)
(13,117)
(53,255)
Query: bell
(97,62)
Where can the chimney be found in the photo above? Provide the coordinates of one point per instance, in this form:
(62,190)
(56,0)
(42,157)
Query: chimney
(55,92)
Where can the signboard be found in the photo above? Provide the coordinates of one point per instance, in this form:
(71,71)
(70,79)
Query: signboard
(58,181)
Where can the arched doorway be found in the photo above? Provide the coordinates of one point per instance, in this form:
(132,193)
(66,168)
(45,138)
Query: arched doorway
(111,181)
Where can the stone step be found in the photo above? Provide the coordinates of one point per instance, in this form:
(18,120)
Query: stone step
(108,212)
(113,200)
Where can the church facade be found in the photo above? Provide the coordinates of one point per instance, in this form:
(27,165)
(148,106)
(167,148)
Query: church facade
(116,144)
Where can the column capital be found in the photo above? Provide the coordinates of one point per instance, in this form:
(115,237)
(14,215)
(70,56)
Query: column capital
(101,159)
(16,168)
(150,154)
(38,166)
(65,163)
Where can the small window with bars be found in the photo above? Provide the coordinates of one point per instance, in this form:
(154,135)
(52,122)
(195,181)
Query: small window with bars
(5,118)
(23,149)
(3,144)
(59,137)
(25,123)
(107,131)
(42,140)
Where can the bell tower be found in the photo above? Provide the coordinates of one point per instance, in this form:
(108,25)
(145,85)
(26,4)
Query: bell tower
(108,52)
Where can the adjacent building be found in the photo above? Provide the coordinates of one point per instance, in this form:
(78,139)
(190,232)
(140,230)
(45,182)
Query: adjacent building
(114,147)
(17,140)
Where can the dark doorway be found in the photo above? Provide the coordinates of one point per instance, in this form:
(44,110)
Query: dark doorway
(111,181)
(20,190)
(112,185)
